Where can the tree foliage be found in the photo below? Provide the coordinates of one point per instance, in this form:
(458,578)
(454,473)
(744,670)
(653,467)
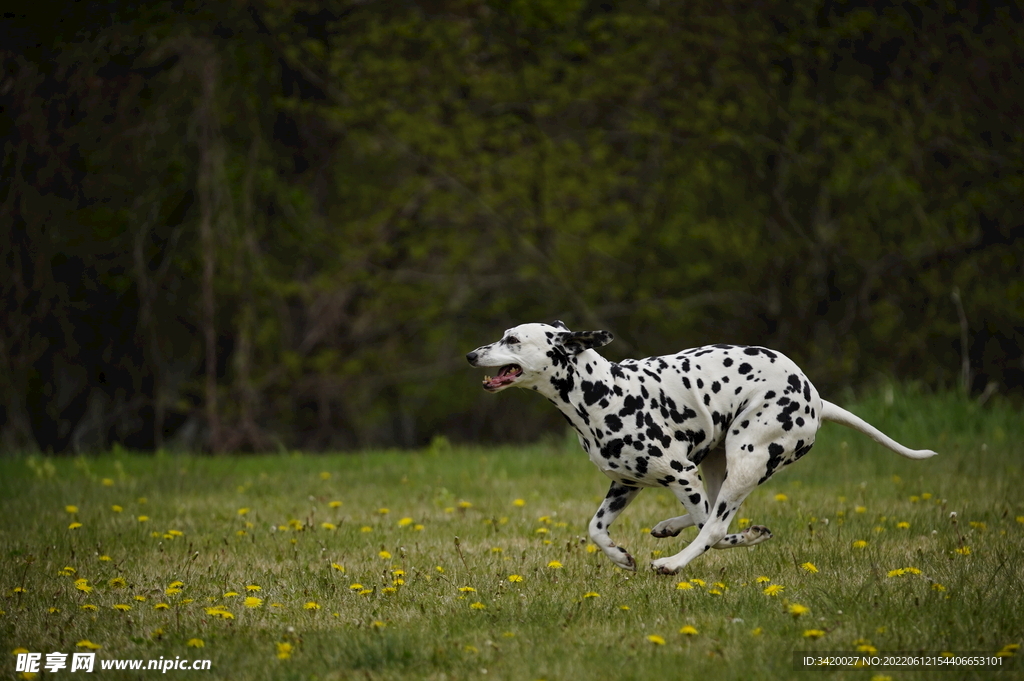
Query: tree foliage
(276,224)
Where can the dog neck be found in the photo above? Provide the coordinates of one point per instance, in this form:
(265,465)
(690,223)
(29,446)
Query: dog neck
(579,385)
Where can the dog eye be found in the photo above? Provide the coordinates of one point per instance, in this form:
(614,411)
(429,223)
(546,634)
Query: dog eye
(511,340)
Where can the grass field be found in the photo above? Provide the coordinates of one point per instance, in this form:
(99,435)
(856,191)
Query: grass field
(459,563)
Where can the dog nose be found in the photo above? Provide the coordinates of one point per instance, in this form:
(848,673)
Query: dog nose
(471,357)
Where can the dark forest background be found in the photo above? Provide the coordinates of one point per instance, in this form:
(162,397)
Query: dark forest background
(248,225)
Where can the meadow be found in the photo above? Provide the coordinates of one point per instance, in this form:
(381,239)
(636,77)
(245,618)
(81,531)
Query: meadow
(473,563)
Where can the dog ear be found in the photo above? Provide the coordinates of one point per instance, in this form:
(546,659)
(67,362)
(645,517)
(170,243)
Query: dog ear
(559,324)
(575,342)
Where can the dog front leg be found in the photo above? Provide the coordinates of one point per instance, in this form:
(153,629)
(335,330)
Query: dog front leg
(618,497)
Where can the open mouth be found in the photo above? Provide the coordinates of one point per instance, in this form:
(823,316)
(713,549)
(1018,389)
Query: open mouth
(506,377)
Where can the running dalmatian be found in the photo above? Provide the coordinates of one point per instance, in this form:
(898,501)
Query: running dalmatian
(739,413)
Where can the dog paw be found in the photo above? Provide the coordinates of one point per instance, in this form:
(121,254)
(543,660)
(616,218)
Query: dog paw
(755,534)
(623,560)
(663,567)
(664,529)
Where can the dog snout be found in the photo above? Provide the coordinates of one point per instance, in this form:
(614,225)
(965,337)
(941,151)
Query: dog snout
(471,357)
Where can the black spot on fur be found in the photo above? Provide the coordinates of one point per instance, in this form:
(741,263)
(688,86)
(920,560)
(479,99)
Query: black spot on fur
(593,391)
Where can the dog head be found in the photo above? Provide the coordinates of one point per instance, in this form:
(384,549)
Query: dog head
(529,352)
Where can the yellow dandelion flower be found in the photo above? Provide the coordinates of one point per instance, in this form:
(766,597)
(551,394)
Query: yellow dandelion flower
(122,607)
(176,533)
(541,530)
(82,584)
(329,526)
(53,610)
(859,544)
(337,566)
(284,650)
(311,605)
(743,523)
(554,565)
(252,602)
(140,598)
(142,500)
(860,509)
(813,633)
(383,511)
(867,648)
(185,601)
(116,508)
(405,522)
(117,582)
(195,643)
(937,587)
(781,497)
(756,632)
(519,503)
(809,567)
(1020,519)
(467,589)
(515,578)
(795,609)
(389,590)
(230,594)
(903,525)
(143,518)
(914,498)
(684,586)
(898,572)
(71,509)
(67,571)
(591,594)
(714,592)
(978,525)
(107,482)
(497,549)
(697,582)
(773,589)
(253,587)
(656,640)
(763,579)
(161,606)
(335,504)
(90,607)
(913,570)
(74,526)
(926,495)
(418,527)
(592,548)
(356,587)
(87,644)
(964,550)
(464,505)
(172,590)
(104,559)
(384,554)
(478,606)
(689,630)
(623,607)
(325,476)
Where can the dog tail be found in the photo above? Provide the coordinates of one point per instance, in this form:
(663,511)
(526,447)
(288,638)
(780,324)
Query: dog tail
(830,412)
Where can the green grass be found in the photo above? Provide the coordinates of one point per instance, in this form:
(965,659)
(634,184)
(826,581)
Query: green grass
(474,535)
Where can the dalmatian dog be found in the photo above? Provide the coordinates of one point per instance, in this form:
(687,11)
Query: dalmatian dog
(738,413)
